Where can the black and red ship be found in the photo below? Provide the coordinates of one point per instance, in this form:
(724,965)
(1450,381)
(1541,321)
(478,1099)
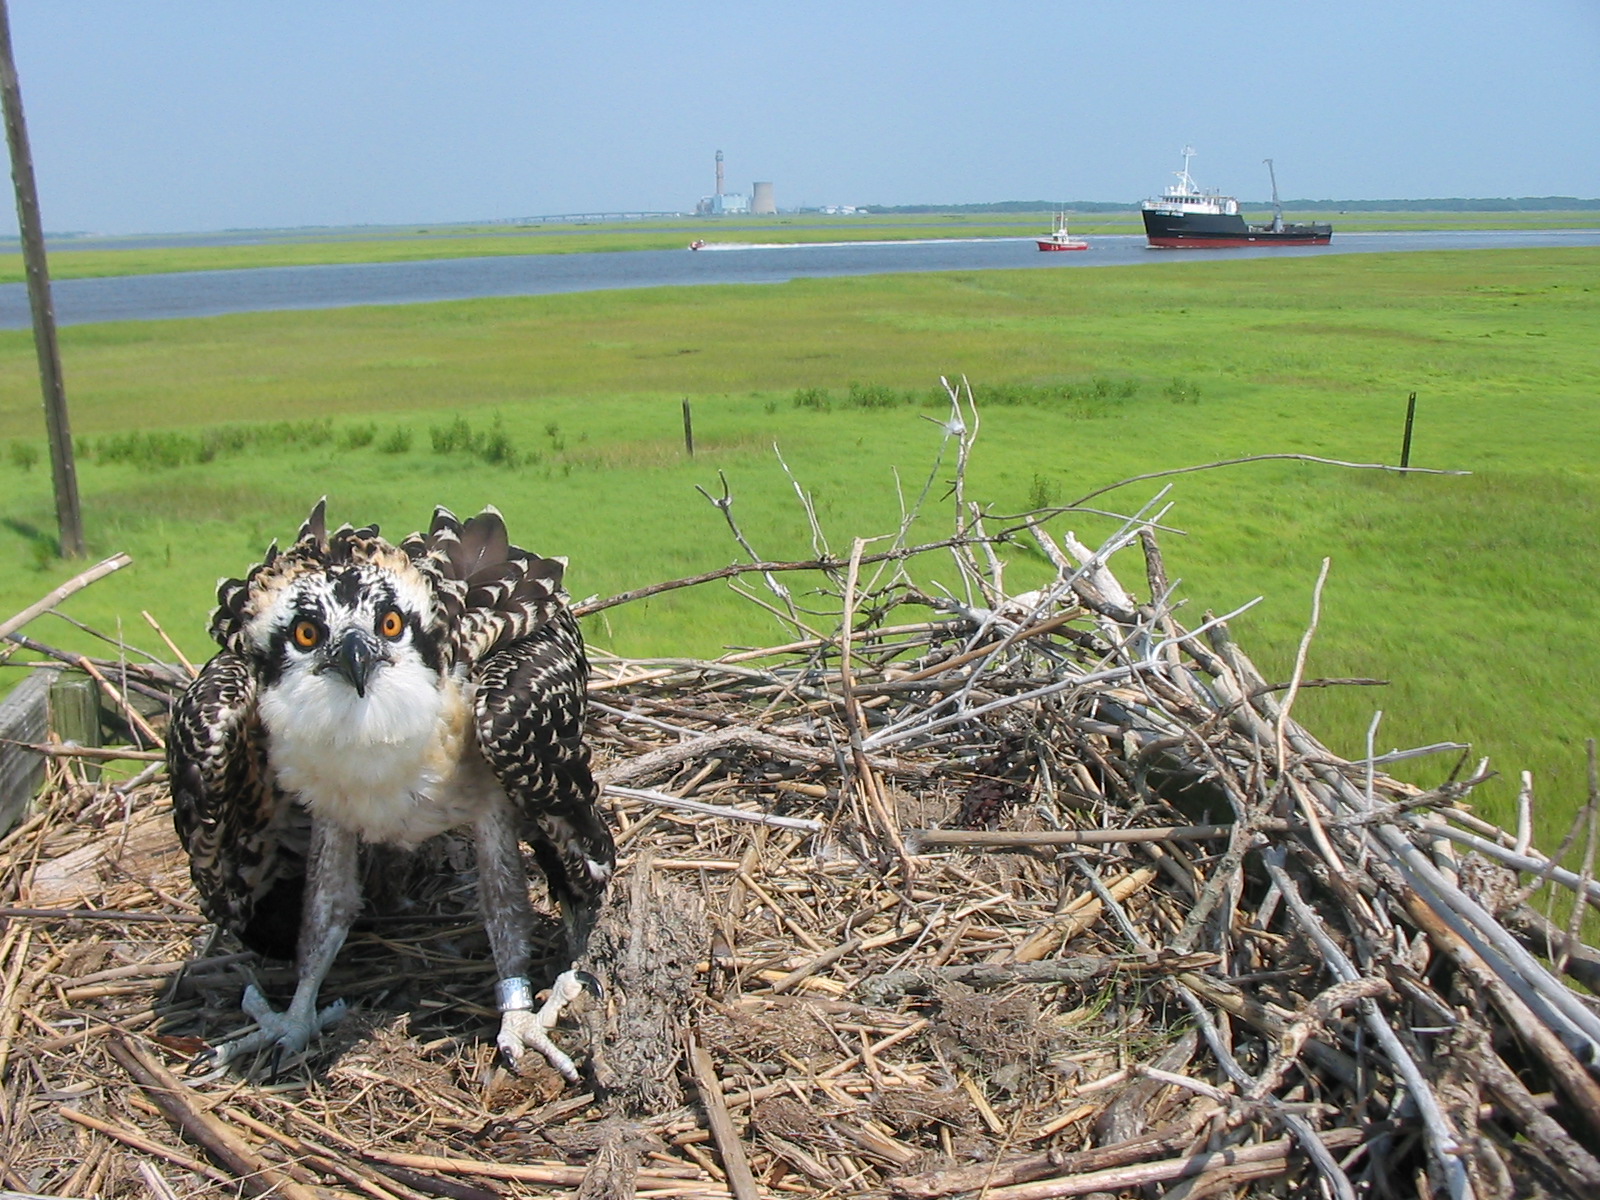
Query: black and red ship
(1183,217)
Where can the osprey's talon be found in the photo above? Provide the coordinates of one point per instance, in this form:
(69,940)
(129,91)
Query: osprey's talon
(523,1029)
(286,1033)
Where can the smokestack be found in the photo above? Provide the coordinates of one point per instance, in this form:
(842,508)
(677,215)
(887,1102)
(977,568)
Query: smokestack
(719,172)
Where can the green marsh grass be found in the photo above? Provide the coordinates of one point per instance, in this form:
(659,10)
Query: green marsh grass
(1474,596)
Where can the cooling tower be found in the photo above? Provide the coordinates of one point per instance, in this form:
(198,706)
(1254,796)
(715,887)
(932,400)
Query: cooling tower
(761,200)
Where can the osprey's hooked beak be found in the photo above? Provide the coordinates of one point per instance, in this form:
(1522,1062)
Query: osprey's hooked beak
(357,654)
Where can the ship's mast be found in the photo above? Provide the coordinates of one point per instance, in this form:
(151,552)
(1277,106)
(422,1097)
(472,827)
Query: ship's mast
(1185,180)
(1277,209)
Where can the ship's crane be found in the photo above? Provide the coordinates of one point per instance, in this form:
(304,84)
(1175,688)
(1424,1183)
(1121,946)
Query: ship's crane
(1277,209)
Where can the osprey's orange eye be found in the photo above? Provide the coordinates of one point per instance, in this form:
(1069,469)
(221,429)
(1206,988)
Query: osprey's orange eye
(306,634)
(391,624)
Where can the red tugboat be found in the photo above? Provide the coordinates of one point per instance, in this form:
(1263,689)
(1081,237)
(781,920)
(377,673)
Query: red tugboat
(1183,218)
(1060,239)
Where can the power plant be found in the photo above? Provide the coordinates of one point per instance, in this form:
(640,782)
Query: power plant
(721,203)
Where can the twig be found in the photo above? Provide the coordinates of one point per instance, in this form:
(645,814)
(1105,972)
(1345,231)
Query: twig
(101,914)
(76,584)
(919,839)
(135,717)
(1273,1157)
(740,1181)
(715,810)
(257,1176)
(1250,458)
(188,666)
(147,1145)
(99,753)
(824,563)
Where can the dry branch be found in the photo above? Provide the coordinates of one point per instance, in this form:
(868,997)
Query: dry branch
(76,584)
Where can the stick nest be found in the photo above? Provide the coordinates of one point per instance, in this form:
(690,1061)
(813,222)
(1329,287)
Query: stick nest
(1022,895)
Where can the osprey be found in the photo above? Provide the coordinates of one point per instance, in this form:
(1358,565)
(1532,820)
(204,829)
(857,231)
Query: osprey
(368,693)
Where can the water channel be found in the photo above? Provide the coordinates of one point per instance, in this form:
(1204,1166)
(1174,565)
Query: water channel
(213,293)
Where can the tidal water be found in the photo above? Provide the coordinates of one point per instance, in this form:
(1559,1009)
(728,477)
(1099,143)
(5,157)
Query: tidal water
(213,293)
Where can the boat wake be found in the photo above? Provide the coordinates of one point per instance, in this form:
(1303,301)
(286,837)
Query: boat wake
(884,242)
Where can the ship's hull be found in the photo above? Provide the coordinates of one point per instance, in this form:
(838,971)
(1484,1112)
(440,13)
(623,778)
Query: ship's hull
(1189,231)
(1060,244)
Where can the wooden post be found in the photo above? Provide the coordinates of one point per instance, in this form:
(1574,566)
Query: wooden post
(75,714)
(69,518)
(688,422)
(1411,413)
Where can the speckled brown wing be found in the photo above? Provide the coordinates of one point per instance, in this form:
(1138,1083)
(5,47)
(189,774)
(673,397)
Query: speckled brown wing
(531,701)
(488,593)
(246,841)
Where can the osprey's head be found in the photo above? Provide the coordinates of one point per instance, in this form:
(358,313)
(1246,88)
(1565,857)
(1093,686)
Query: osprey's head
(348,623)
(346,654)
(354,634)
(344,634)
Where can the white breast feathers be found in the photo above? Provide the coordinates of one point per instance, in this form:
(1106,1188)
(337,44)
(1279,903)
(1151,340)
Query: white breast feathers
(396,766)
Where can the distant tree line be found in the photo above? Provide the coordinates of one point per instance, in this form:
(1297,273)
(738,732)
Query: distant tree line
(1450,204)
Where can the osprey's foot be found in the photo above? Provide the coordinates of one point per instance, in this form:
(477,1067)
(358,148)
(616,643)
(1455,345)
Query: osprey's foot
(285,1033)
(522,1029)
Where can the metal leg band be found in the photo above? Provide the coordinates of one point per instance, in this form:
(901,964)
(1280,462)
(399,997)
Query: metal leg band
(514,993)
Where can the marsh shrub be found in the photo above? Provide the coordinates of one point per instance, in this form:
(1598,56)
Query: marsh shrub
(877,395)
(24,455)
(452,438)
(1183,391)
(491,446)
(163,448)
(229,439)
(1092,397)
(496,447)
(148,448)
(354,437)
(813,397)
(398,441)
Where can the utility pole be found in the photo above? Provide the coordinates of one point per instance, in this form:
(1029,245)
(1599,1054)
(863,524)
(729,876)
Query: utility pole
(69,518)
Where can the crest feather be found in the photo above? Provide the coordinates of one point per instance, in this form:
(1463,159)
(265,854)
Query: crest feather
(315,527)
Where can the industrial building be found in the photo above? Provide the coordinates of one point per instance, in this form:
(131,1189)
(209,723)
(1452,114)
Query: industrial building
(722,203)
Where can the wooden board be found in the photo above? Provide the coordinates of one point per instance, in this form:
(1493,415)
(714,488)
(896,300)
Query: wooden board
(24,716)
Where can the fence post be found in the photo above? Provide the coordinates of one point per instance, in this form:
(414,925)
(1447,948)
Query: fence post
(1405,446)
(688,428)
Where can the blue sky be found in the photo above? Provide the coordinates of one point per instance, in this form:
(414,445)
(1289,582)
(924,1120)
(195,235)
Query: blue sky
(177,115)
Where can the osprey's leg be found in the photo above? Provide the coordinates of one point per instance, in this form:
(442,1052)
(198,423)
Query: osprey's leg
(508,919)
(333,897)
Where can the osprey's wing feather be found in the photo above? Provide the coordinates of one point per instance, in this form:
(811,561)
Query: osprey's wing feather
(246,841)
(531,702)
(488,592)
(503,615)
